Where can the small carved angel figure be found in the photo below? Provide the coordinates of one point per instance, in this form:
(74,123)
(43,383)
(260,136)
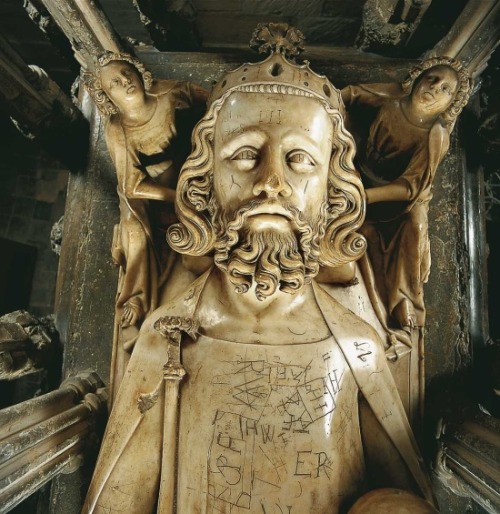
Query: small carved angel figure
(142,138)
(406,138)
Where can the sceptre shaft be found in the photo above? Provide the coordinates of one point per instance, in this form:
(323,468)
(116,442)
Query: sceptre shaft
(173,372)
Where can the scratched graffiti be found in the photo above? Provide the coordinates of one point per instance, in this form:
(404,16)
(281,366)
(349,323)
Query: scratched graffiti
(272,403)
(272,116)
(229,460)
(363,350)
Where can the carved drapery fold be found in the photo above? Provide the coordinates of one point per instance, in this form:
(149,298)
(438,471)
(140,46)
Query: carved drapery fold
(46,436)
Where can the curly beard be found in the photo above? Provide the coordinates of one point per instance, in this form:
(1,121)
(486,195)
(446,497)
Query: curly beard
(272,259)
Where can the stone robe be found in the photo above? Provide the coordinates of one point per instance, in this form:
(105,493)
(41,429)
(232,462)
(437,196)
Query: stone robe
(261,426)
(393,150)
(149,152)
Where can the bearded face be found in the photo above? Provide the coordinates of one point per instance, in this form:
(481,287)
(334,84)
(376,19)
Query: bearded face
(270,177)
(283,256)
(266,174)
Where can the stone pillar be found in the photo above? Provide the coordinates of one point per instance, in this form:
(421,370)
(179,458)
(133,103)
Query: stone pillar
(86,26)
(467,462)
(47,436)
(473,37)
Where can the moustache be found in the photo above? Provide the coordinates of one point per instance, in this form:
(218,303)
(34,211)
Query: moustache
(230,227)
(268,207)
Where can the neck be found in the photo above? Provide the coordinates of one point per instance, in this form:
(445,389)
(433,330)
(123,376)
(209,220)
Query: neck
(416,116)
(226,314)
(139,111)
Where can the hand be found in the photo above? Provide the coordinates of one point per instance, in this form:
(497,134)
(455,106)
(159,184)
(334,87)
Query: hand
(132,313)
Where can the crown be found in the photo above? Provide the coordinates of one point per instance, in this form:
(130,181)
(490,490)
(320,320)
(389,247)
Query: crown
(277,73)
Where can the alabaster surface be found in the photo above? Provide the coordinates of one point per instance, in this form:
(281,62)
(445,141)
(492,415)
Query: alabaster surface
(147,139)
(263,375)
(404,132)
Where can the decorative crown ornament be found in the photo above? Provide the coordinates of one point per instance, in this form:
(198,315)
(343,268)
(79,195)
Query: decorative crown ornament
(277,37)
(277,74)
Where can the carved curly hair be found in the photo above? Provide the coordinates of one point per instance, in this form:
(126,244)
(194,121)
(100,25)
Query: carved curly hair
(465,84)
(92,80)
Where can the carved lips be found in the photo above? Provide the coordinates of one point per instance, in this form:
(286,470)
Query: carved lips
(269,215)
(270,208)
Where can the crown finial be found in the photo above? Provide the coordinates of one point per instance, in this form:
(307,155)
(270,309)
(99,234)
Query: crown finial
(277,74)
(277,37)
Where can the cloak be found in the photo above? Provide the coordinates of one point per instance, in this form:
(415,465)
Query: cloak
(137,417)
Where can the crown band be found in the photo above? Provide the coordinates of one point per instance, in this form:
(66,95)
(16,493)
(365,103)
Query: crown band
(278,75)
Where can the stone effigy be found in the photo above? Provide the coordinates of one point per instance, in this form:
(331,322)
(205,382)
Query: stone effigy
(254,390)
(148,122)
(399,154)
(141,135)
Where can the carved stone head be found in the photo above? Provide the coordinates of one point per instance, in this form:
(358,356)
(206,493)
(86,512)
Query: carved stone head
(270,186)
(440,86)
(115,78)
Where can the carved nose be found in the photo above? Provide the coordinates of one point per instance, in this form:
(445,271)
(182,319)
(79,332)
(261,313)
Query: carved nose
(437,84)
(273,184)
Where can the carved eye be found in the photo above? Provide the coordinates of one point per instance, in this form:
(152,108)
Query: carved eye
(113,83)
(245,159)
(300,162)
(245,155)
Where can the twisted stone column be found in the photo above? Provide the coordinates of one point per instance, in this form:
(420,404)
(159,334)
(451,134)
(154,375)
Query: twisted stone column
(46,436)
